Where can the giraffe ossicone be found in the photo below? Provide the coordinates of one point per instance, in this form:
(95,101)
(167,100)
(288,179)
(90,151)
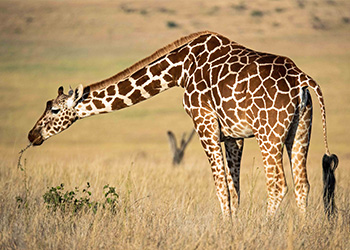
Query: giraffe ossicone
(231,93)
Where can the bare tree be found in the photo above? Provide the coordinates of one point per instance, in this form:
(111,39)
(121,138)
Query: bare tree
(178,152)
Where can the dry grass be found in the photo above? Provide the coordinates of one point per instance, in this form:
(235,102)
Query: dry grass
(45,44)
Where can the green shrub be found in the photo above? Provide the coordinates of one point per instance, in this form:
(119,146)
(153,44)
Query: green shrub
(57,199)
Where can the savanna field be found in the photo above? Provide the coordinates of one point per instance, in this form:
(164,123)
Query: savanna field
(135,198)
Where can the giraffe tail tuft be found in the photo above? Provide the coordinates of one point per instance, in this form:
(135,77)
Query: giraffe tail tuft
(329,164)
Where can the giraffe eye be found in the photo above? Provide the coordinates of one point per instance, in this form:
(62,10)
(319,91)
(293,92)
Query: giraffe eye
(55,110)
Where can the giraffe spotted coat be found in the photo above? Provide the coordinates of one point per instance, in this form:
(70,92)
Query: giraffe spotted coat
(230,92)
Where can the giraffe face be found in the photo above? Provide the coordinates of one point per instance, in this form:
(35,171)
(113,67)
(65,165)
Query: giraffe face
(59,114)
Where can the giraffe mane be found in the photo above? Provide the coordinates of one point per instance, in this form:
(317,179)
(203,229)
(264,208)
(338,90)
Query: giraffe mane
(142,63)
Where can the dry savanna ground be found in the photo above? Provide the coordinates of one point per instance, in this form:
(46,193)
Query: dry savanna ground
(45,44)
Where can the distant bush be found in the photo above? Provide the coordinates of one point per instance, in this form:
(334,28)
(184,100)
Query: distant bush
(172,24)
(239,7)
(257,13)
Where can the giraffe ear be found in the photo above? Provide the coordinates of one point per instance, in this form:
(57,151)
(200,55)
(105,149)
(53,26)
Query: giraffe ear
(60,90)
(75,96)
(78,93)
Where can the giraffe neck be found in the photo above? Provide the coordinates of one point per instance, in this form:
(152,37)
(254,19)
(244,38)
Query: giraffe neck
(146,82)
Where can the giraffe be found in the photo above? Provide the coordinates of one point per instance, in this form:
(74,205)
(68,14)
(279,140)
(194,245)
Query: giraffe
(231,93)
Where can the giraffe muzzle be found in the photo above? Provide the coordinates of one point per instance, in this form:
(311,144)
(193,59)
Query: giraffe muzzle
(35,137)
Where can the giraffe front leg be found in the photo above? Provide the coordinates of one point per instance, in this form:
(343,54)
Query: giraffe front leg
(207,127)
(233,150)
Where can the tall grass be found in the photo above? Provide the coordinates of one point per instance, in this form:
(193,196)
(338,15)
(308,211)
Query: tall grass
(159,207)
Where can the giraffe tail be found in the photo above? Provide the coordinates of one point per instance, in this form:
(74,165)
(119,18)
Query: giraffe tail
(329,161)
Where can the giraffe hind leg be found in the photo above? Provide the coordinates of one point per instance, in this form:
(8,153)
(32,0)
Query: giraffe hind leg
(233,150)
(297,145)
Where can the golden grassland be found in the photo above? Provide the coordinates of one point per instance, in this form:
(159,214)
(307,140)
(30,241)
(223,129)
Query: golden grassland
(45,44)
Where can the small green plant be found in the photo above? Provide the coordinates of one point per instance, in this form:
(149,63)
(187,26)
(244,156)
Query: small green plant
(111,198)
(59,199)
(74,201)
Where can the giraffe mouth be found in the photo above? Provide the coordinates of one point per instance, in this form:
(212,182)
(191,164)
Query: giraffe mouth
(35,138)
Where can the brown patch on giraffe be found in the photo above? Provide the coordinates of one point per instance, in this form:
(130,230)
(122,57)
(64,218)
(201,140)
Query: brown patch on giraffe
(276,75)
(203,58)
(179,56)
(224,40)
(139,73)
(219,52)
(261,93)
(167,78)
(195,99)
(201,86)
(214,75)
(197,75)
(101,95)
(255,110)
(124,87)
(283,115)
(175,72)
(281,100)
(224,70)
(293,72)
(268,58)
(213,43)
(302,78)
(243,59)
(142,80)
(153,88)
(279,128)
(157,69)
(222,60)
(265,71)
(206,73)
(111,90)
(98,104)
(272,116)
(254,83)
(270,86)
(109,99)
(216,96)
(89,107)
(224,86)
(193,67)
(136,96)
(190,88)
(259,101)
(198,49)
(279,60)
(118,104)
(236,67)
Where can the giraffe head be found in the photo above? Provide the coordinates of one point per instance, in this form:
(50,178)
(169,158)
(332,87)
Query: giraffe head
(59,114)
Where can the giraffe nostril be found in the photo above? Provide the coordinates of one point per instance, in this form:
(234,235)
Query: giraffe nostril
(35,137)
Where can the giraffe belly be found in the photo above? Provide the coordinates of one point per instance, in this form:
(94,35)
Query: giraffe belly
(235,129)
